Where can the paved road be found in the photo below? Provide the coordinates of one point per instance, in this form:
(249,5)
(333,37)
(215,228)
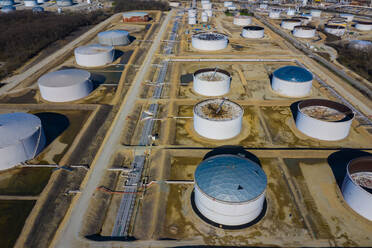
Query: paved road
(69,236)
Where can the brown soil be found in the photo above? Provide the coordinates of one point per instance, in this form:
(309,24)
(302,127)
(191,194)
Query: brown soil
(323,113)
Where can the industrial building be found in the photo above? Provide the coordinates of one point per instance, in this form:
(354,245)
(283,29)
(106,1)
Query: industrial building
(136,17)
(21,138)
(94,55)
(292,81)
(229,190)
(218,119)
(65,85)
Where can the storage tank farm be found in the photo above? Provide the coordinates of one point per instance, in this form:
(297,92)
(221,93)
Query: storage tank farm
(253,32)
(324,119)
(65,85)
(292,81)
(305,32)
(114,38)
(218,119)
(21,138)
(357,186)
(209,41)
(211,82)
(229,190)
(94,55)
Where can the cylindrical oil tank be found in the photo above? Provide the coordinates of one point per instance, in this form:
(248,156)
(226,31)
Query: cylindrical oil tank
(263,6)
(274,14)
(37,9)
(40,1)
(21,138)
(94,55)
(291,12)
(207,6)
(209,12)
(348,17)
(114,38)
(292,81)
(290,23)
(229,189)
(64,3)
(136,16)
(316,13)
(174,4)
(6,2)
(211,82)
(65,85)
(242,20)
(305,20)
(323,119)
(253,32)
(30,3)
(334,29)
(218,119)
(304,32)
(363,26)
(204,17)
(7,9)
(357,186)
(209,41)
(339,21)
(192,20)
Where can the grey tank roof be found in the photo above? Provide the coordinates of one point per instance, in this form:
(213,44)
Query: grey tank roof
(230,179)
(63,78)
(293,74)
(15,127)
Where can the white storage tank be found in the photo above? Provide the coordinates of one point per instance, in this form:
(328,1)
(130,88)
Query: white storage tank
(192,20)
(7,9)
(94,55)
(274,14)
(64,3)
(40,1)
(21,138)
(209,12)
(334,29)
(229,190)
(292,81)
(211,82)
(305,32)
(348,17)
(316,13)
(363,26)
(357,186)
(209,41)
(65,85)
(253,32)
(114,38)
(291,12)
(218,119)
(6,2)
(204,17)
(30,3)
(323,119)
(174,4)
(37,9)
(290,23)
(242,20)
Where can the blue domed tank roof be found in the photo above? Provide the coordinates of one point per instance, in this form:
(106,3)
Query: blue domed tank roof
(293,74)
(230,178)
